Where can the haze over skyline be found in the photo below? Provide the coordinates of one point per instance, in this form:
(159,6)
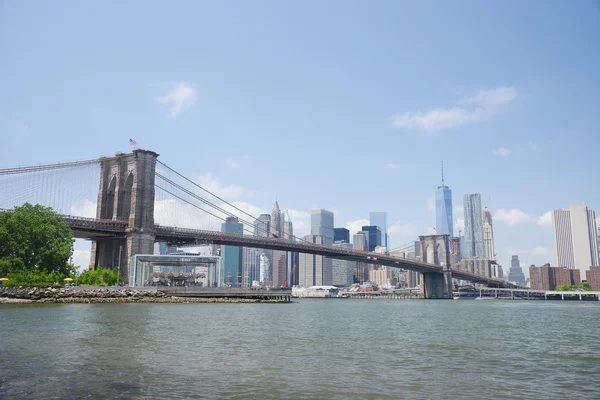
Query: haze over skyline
(348,106)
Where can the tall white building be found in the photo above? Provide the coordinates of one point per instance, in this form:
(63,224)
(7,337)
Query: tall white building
(575,237)
(488,235)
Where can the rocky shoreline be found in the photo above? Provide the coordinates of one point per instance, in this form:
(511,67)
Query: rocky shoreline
(23,295)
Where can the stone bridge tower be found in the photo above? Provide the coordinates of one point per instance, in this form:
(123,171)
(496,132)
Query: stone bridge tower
(435,249)
(126,193)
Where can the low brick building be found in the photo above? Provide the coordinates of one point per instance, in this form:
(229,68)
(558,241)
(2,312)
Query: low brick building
(548,278)
(593,277)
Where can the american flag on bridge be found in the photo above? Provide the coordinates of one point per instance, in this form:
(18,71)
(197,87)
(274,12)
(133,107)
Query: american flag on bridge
(132,142)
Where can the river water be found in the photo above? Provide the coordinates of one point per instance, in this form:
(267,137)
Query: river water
(317,349)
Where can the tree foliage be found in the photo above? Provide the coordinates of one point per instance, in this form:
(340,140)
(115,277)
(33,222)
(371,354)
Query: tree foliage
(586,286)
(99,277)
(33,238)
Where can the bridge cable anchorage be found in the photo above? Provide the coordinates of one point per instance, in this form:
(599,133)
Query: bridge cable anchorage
(216,196)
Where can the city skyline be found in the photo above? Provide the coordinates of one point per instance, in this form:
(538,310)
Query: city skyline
(324,100)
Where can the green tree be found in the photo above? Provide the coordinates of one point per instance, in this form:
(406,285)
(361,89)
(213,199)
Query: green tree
(33,238)
(99,277)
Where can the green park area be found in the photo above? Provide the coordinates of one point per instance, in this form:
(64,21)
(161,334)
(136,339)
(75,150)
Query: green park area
(36,245)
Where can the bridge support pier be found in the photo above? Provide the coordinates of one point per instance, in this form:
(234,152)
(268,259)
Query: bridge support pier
(436,285)
(435,249)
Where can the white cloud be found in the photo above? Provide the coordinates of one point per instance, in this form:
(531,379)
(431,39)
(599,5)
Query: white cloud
(541,251)
(81,259)
(300,221)
(355,226)
(403,229)
(512,216)
(231,163)
(502,152)
(392,166)
(212,184)
(85,208)
(545,220)
(431,230)
(180,97)
(479,107)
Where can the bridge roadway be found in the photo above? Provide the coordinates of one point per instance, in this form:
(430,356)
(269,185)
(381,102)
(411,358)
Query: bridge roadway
(90,228)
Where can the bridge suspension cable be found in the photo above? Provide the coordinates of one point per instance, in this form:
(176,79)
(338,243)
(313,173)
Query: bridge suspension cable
(47,167)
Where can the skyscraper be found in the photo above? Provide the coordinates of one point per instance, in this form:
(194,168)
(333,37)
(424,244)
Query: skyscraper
(279,258)
(373,236)
(575,240)
(314,270)
(288,234)
(232,255)
(488,235)
(276,226)
(342,270)
(516,272)
(262,227)
(361,271)
(321,223)
(341,234)
(474,246)
(443,209)
(379,218)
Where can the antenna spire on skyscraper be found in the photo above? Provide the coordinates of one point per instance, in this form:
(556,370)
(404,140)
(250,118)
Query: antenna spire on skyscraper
(442,173)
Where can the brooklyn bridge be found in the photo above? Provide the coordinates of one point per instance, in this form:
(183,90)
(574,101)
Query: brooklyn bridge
(131,191)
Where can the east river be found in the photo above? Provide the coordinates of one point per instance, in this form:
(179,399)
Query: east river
(312,349)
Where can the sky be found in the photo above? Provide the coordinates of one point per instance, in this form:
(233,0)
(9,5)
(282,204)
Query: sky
(344,105)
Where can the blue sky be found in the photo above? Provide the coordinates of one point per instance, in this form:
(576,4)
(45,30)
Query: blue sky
(346,105)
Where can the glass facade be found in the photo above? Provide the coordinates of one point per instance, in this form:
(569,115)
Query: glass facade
(321,223)
(341,234)
(232,255)
(474,246)
(443,211)
(379,219)
(373,237)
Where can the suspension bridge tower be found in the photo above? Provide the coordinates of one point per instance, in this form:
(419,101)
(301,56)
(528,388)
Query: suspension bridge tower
(126,193)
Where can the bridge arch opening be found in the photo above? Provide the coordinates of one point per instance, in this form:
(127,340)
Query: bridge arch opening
(124,204)
(439,253)
(107,212)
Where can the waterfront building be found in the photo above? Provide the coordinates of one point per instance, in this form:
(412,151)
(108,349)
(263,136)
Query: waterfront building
(575,237)
(380,219)
(342,271)
(341,234)
(232,255)
(548,278)
(516,274)
(443,209)
(473,240)
(593,277)
(382,278)
(321,224)
(488,235)
(373,233)
(314,270)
